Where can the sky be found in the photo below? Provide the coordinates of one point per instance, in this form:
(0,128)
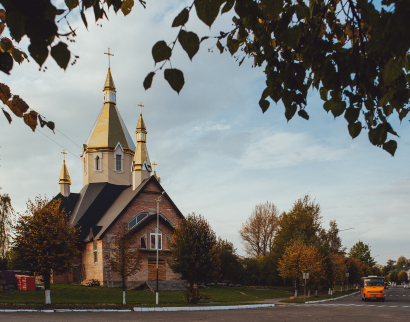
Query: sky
(218,155)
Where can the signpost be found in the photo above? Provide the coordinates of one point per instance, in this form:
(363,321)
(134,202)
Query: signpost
(305,277)
(347,281)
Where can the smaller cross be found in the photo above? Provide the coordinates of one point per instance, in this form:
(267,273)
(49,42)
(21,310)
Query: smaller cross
(154,164)
(141,106)
(108,57)
(64,153)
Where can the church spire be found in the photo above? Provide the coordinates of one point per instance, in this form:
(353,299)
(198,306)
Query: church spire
(141,164)
(65,180)
(109,86)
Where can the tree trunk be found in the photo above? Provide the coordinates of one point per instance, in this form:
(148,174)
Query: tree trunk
(123,291)
(197,288)
(46,277)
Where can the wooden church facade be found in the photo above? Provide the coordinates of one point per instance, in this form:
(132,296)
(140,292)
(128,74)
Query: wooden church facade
(118,188)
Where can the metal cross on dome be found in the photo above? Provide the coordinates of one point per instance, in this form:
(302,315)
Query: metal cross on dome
(141,106)
(108,57)
(154,164)
(64,153)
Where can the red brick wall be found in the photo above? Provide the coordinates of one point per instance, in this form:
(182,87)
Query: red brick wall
(143,203)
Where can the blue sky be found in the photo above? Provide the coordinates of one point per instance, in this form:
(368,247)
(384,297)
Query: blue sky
(217,154)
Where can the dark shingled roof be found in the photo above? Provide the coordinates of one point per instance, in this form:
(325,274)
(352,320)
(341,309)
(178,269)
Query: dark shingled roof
(99,205)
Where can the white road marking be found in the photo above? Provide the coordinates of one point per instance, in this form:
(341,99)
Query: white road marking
(393,306)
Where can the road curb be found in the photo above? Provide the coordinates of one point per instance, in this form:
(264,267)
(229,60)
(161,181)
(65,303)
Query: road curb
(150,309)
(327,300)
(200,308)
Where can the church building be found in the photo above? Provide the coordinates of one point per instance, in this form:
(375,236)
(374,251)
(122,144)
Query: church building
(119,187)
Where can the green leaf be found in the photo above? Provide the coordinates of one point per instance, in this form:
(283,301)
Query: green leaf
(17,55)
(127,6)
(16,24)
(88,3)
(71,4)
(39,52)
(272,8)
(290,112)
(204,38)
(352,114)
(84,19)
(148,80)
(390,147)
(355,129)
(61,54)
(51,125)
(6,63)
(207,10)
(228,6)
(390,129)
(220,47)
(291,36)
(303,114)
(302,11)
(175,78)
(403,113)
(59,12)
(387,97)
(98,12)
(391,71)
(181,19)
(323,93)
(338,108)
(161,51)
(233,45)
(189,42)
(264,104)
(7,115)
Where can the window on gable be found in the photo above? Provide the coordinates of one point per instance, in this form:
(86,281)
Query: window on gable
(144,241)
(118,162)
(134,221)
(156,239)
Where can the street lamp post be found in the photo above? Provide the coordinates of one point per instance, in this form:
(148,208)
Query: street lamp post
(157,243)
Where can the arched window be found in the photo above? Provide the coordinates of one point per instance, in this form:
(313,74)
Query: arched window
(97,163)
(118,165)
(112,98)
(144,241)
(156,239)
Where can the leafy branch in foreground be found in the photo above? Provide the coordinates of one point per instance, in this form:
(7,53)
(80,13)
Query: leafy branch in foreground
(356,56)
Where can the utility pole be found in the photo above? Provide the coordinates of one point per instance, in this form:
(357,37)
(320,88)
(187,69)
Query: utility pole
(157,243)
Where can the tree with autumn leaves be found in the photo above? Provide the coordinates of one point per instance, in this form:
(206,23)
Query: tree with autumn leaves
(45,241)
(300,258)
(124,258)
(195,253)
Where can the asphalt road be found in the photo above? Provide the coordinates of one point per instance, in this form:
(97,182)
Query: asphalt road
(351,309)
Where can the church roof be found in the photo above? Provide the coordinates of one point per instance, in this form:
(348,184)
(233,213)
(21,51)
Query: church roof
(64,176)
(109,129)
(99,205)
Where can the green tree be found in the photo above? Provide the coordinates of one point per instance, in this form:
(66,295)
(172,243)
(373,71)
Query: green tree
(124,259)
(302,223)
(401,261)
(402,276)
(354,54)
(361,252)
(6,224)
(45,240)
(389,265)
(231,268)
(195,253)
(258,231)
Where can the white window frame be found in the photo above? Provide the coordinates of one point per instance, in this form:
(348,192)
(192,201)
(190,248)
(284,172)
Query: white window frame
(119,151)
(100,156)
(156,235)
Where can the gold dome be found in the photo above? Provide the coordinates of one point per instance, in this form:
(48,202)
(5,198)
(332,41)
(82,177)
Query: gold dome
(64,176)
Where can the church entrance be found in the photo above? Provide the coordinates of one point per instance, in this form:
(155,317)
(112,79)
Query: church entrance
(152,270)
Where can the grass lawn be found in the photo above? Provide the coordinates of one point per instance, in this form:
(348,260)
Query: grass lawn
(76,294)
(319,297)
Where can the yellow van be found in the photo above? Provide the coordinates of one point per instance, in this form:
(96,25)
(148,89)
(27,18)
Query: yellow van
(372,288)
